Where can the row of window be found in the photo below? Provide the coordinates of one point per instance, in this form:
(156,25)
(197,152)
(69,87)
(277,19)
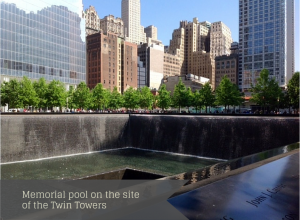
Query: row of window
(27,67)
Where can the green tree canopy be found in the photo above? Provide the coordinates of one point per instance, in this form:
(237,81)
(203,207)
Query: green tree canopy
(293,91)
(164,98)
(70,98)
(198,100)
(41,88)
(10,94)
(115,99)
(228,93)
(56,94)
(100,96)
(27,95)
(189,95)
(131,98)
(266,92)
(179,95)
(207,96)
(82,96)
(146,98)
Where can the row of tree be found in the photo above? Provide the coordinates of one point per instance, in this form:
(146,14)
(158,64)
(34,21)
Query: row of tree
(268,94)
(39,94)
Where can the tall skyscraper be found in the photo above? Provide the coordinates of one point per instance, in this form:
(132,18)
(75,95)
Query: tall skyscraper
(266,36)
(41,39)
(131,16)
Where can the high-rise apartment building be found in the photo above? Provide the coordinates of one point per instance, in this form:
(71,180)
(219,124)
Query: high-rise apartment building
(131,16)
(92,21)
(111,62)
(46,41)
(266,36)
(151,31)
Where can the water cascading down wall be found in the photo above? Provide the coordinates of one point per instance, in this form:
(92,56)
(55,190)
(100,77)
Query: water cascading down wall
(26,137)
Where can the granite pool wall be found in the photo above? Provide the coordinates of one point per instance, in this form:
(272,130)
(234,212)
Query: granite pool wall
(26,137)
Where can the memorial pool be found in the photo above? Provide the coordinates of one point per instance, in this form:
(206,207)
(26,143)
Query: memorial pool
(78,166)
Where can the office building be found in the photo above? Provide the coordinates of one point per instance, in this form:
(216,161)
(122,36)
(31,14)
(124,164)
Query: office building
(111,62)
(204,66)
(227,65)
(176,46)
(266,37)
(112,24)
(171,65)
(92,21)
(152,56)
(131,16)
(129,65)
(151,31)
(197,43)
(190,81)
(46,40)
(141,74)
(220,39)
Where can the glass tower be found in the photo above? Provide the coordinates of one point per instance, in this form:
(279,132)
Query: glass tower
(266,36)
(43,39)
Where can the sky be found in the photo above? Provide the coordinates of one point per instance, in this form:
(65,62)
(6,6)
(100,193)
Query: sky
(166,15)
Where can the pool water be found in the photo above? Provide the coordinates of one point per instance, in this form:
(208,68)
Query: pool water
(73,167)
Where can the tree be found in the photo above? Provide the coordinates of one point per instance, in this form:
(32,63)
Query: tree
(146,98)
(10,94)
(115,100)
(100,96)
(189,98)
(207,96)
(131,98)
(293,91)
(82,96)
(70,98)
(27,94)
(179,95)
(41,88)
(266,92)
(164,98)
(228,93)
(56,94)
(198,100)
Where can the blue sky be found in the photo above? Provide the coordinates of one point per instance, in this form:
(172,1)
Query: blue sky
(166,15)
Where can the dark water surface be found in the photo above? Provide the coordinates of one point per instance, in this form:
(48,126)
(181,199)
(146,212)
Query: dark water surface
(72,167)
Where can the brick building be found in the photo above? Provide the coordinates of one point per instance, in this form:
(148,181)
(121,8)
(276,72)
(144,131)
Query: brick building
(111,61)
